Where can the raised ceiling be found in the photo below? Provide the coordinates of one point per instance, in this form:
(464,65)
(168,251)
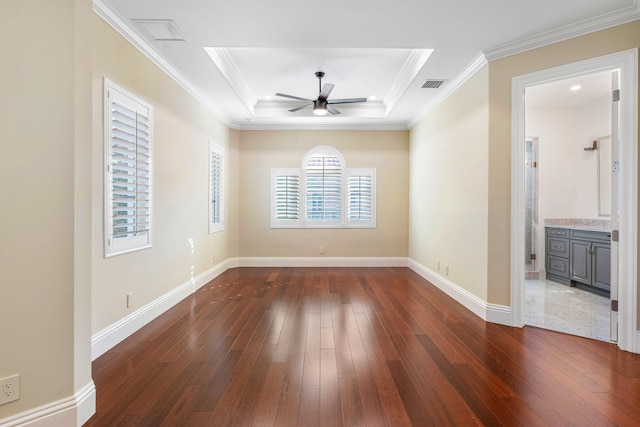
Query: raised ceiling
(235,55)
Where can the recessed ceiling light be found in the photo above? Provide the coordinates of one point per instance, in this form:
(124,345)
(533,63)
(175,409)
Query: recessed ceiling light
(372,98)
(268,97)
(575,88)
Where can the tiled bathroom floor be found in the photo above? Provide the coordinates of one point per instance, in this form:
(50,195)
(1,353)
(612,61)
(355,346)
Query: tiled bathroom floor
(554,306)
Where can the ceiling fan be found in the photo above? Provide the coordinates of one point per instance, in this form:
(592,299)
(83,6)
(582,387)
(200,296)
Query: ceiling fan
(322,105)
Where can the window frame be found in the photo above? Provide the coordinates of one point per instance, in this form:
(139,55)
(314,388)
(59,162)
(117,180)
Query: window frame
(346,173)
(113,93)
(216,226)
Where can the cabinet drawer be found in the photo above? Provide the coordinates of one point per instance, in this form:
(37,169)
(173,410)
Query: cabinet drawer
(557,232)
(558,266)
(593,236)
(558,247)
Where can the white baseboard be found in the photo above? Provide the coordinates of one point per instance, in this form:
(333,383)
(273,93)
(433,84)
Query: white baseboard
(489,312)
(72,411)
(107,338)
(323,262)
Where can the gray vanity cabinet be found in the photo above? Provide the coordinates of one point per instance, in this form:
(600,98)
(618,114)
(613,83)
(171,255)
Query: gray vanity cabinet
(579,257)
(591,258)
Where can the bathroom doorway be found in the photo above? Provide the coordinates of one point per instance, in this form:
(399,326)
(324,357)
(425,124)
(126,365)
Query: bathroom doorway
(626,165)
(568,117)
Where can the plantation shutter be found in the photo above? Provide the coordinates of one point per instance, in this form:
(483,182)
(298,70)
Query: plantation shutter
(128,173)
(360,197)
(323,189)
(216,188)
(286,197)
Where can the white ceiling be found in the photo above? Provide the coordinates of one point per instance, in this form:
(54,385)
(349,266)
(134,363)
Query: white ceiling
(237,53)
(574,92)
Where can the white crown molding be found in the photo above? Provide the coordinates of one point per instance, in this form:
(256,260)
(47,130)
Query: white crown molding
(325,126)
(74,410)
(607,20)
(221,57)
(412,66)
(120,25)
(475,66)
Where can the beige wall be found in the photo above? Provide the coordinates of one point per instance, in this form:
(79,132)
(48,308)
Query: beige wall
(387,151)
(501,72)
(182,130)
(449,169)
(45,134)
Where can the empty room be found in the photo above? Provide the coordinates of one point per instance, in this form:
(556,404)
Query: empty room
(287,213)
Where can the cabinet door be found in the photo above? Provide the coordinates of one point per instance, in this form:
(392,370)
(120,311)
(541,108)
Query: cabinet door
(602,265)
(580,261)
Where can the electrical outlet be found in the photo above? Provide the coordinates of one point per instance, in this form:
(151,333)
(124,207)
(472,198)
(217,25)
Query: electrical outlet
(446,269)
(129,299)
(438,262)
(321,250)
(9,389)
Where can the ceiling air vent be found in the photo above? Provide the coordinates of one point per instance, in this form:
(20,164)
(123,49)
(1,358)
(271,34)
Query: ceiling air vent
(432,84)
(164,30)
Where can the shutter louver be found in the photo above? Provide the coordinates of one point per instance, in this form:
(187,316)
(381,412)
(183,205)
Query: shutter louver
(360,198)
(287,197)
(324,189)
(216,202)
(128,213)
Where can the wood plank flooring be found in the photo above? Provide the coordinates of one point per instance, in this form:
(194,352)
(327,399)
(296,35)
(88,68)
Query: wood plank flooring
(354,347)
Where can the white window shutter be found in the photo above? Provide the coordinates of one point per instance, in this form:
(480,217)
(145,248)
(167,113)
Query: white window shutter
(128,180)
(216,188)
(361,197)
(285,198)
(323,191)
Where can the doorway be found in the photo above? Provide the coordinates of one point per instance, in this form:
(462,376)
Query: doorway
(569,118)
(626,63)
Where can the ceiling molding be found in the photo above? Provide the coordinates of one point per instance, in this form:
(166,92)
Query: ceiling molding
(608,20)
(412,66)
(327,126)
(120,25)
(471,69)
(227,66)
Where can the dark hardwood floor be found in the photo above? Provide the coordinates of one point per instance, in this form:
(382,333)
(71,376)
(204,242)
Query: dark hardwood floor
(354,347)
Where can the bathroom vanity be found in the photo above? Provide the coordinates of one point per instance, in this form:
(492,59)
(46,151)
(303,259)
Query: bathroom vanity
(579,256)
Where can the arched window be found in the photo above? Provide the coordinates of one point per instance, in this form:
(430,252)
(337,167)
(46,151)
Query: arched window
(323,193)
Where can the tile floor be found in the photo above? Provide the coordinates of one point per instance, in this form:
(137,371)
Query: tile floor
(558,307)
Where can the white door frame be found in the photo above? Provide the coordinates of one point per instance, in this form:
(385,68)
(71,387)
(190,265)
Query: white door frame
(627,63)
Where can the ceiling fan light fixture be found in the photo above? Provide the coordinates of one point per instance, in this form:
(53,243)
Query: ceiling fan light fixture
(319,107)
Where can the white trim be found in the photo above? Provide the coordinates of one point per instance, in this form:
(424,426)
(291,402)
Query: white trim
(488,312)
(103,341)
(470,70)
(410,69)
(322,262)
(73,410)
(608,20)
(227,66)
(334,125)
(120,25)
(627,62)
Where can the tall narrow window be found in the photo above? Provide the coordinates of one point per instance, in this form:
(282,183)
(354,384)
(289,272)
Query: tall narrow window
(216,188)
(128,136)
(323,180)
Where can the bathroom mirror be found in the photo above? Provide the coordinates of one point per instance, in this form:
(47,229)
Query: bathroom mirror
(604,176)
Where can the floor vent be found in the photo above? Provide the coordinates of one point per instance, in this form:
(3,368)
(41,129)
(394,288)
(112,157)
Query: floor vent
(164,30)
(432,84)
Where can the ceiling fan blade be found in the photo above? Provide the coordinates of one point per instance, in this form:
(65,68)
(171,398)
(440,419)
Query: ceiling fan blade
(332,110)
(346,100)
(326,90)
(293,110)
(284,95)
